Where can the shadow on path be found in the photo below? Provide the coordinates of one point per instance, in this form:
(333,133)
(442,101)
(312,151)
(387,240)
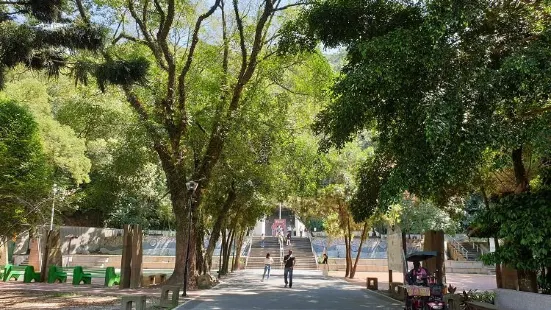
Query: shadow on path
(311,290)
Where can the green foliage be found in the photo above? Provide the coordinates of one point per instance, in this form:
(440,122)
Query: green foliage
(121,72)
(417,217)
(474,295)
(64,149)
(444,83)
(524,226)
(46,11)
(369,198)
(24,172)
(43,46)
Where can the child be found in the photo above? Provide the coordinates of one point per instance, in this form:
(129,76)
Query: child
(268,261)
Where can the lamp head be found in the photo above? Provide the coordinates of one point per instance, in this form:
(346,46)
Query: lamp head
(192,185)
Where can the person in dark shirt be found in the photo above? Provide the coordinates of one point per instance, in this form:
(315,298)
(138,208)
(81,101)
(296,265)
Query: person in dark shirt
(289,260)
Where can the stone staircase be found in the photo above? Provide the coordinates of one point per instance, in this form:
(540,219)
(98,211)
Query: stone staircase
(472,252)
(301,247)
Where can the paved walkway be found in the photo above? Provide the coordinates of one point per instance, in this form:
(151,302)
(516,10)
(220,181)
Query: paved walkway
(465,282)
(311,290)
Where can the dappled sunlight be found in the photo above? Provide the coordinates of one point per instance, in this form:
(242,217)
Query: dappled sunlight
(244,290)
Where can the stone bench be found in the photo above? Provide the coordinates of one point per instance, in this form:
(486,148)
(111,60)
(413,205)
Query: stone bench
(173,302)
(138,300)
(453,301)
(153,279)
(397,290)
(372,284)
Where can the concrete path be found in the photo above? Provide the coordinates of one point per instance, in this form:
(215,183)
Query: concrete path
(480,282)
(311,290)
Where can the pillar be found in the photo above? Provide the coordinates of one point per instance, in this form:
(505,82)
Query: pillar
(434,241)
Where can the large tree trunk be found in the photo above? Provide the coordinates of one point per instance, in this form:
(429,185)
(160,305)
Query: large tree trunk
(181,211)
(363,237)
(200,229)
(521,177)
(348,246)
(227,251)
(223,250)
(217,227)
(238,248)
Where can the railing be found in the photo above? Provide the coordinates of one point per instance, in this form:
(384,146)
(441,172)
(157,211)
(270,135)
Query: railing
(459,248)
(249,251)
(312,248)
(280,241)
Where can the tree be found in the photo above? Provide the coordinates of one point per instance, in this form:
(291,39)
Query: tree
(256,168)
(435,97)
(24,172)
(63,148)
(172,100)
(37,34)
(444,83)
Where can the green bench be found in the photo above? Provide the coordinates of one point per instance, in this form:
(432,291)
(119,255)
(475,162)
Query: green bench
(56,273)
(85,275)
(15,272)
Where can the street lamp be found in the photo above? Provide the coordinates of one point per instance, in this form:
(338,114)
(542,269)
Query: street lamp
(53,207)
(191,187)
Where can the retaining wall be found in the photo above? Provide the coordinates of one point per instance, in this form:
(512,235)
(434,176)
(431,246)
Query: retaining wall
(381,265)
(515,300)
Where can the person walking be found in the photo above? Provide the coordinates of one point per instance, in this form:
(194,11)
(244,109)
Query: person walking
(268,261)
(288,238)
(324,265)
(262,241)
(289,261)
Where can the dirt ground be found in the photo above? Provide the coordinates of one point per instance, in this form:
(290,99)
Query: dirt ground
(48,300)
(65,301)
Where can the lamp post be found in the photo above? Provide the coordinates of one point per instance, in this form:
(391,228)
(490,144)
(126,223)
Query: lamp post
(191,187)
(53,207)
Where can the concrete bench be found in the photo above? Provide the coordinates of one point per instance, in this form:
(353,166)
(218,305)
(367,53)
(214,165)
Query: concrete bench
(173,302)
(129,301)
(149,279)
(372,284)
(397,290)
(85,275)
(57,273)
(15,272)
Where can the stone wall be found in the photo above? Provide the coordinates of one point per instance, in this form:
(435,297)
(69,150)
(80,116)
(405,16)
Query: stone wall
(103,261)
(515,300)
(381,265)
(364,265)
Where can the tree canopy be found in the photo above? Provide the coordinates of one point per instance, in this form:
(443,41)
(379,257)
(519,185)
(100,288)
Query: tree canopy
(443,83)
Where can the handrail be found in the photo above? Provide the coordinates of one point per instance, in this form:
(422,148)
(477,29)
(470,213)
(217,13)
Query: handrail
(312,248)
(250,247)
(280,241)
(459,247)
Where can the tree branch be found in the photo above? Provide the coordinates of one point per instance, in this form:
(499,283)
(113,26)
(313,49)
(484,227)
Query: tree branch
(536,112)
(239,22)
(145,32)
(289,6)
(189,60)
(82,11)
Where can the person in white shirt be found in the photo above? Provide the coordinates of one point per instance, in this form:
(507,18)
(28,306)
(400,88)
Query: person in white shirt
(262,241)
(268,261)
